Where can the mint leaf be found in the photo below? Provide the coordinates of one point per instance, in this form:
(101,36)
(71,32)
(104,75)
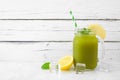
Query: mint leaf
(45,66)
(85,31)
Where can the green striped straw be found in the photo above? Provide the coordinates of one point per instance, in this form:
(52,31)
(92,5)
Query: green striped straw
(73,19)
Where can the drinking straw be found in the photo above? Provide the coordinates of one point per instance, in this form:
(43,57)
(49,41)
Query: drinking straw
(73,19)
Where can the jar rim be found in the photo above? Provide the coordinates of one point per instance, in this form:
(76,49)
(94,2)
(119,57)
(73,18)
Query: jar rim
(84,31)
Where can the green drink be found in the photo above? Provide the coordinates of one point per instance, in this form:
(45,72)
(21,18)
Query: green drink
(85,48)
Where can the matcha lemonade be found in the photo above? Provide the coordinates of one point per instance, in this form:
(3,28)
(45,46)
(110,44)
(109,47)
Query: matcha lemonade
(85,48)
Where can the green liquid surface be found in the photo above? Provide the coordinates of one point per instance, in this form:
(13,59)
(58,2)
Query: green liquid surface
(85,50)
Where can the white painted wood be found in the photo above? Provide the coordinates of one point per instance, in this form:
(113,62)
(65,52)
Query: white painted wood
(35,52)
(48,36)
(59,9)
(62,25)
(22,61)
(25,71)
(51,30)
(32,71)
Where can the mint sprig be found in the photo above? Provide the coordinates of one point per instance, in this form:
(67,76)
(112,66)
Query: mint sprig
(85,31)
(45,66)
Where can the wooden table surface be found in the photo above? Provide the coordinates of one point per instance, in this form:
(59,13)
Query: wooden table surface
(31,29)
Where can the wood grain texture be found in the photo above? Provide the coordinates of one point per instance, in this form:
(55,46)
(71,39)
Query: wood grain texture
(59,9)
(23,71)
(35,31)
(23,61)
(36,52)
(51,30)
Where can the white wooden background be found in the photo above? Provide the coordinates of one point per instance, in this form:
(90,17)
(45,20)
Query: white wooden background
(30,29)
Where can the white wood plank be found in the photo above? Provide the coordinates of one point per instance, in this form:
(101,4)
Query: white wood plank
(37,25)
(32,71)
(22,61)
(59,9)
(35,52)
(51,30)
(47,36)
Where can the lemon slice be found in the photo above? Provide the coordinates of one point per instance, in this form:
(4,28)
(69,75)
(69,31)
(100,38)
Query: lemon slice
(98,29)
(66,62)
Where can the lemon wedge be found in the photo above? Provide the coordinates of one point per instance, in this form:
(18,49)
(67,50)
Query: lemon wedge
(66,62)
(98,29)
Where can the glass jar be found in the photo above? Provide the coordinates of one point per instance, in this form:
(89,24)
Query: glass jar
(85,48)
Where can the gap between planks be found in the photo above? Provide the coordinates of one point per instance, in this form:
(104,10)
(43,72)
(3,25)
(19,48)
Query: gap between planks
(49,41)
(107,19)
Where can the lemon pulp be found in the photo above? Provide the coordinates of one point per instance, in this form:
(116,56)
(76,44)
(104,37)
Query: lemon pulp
(66,62)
